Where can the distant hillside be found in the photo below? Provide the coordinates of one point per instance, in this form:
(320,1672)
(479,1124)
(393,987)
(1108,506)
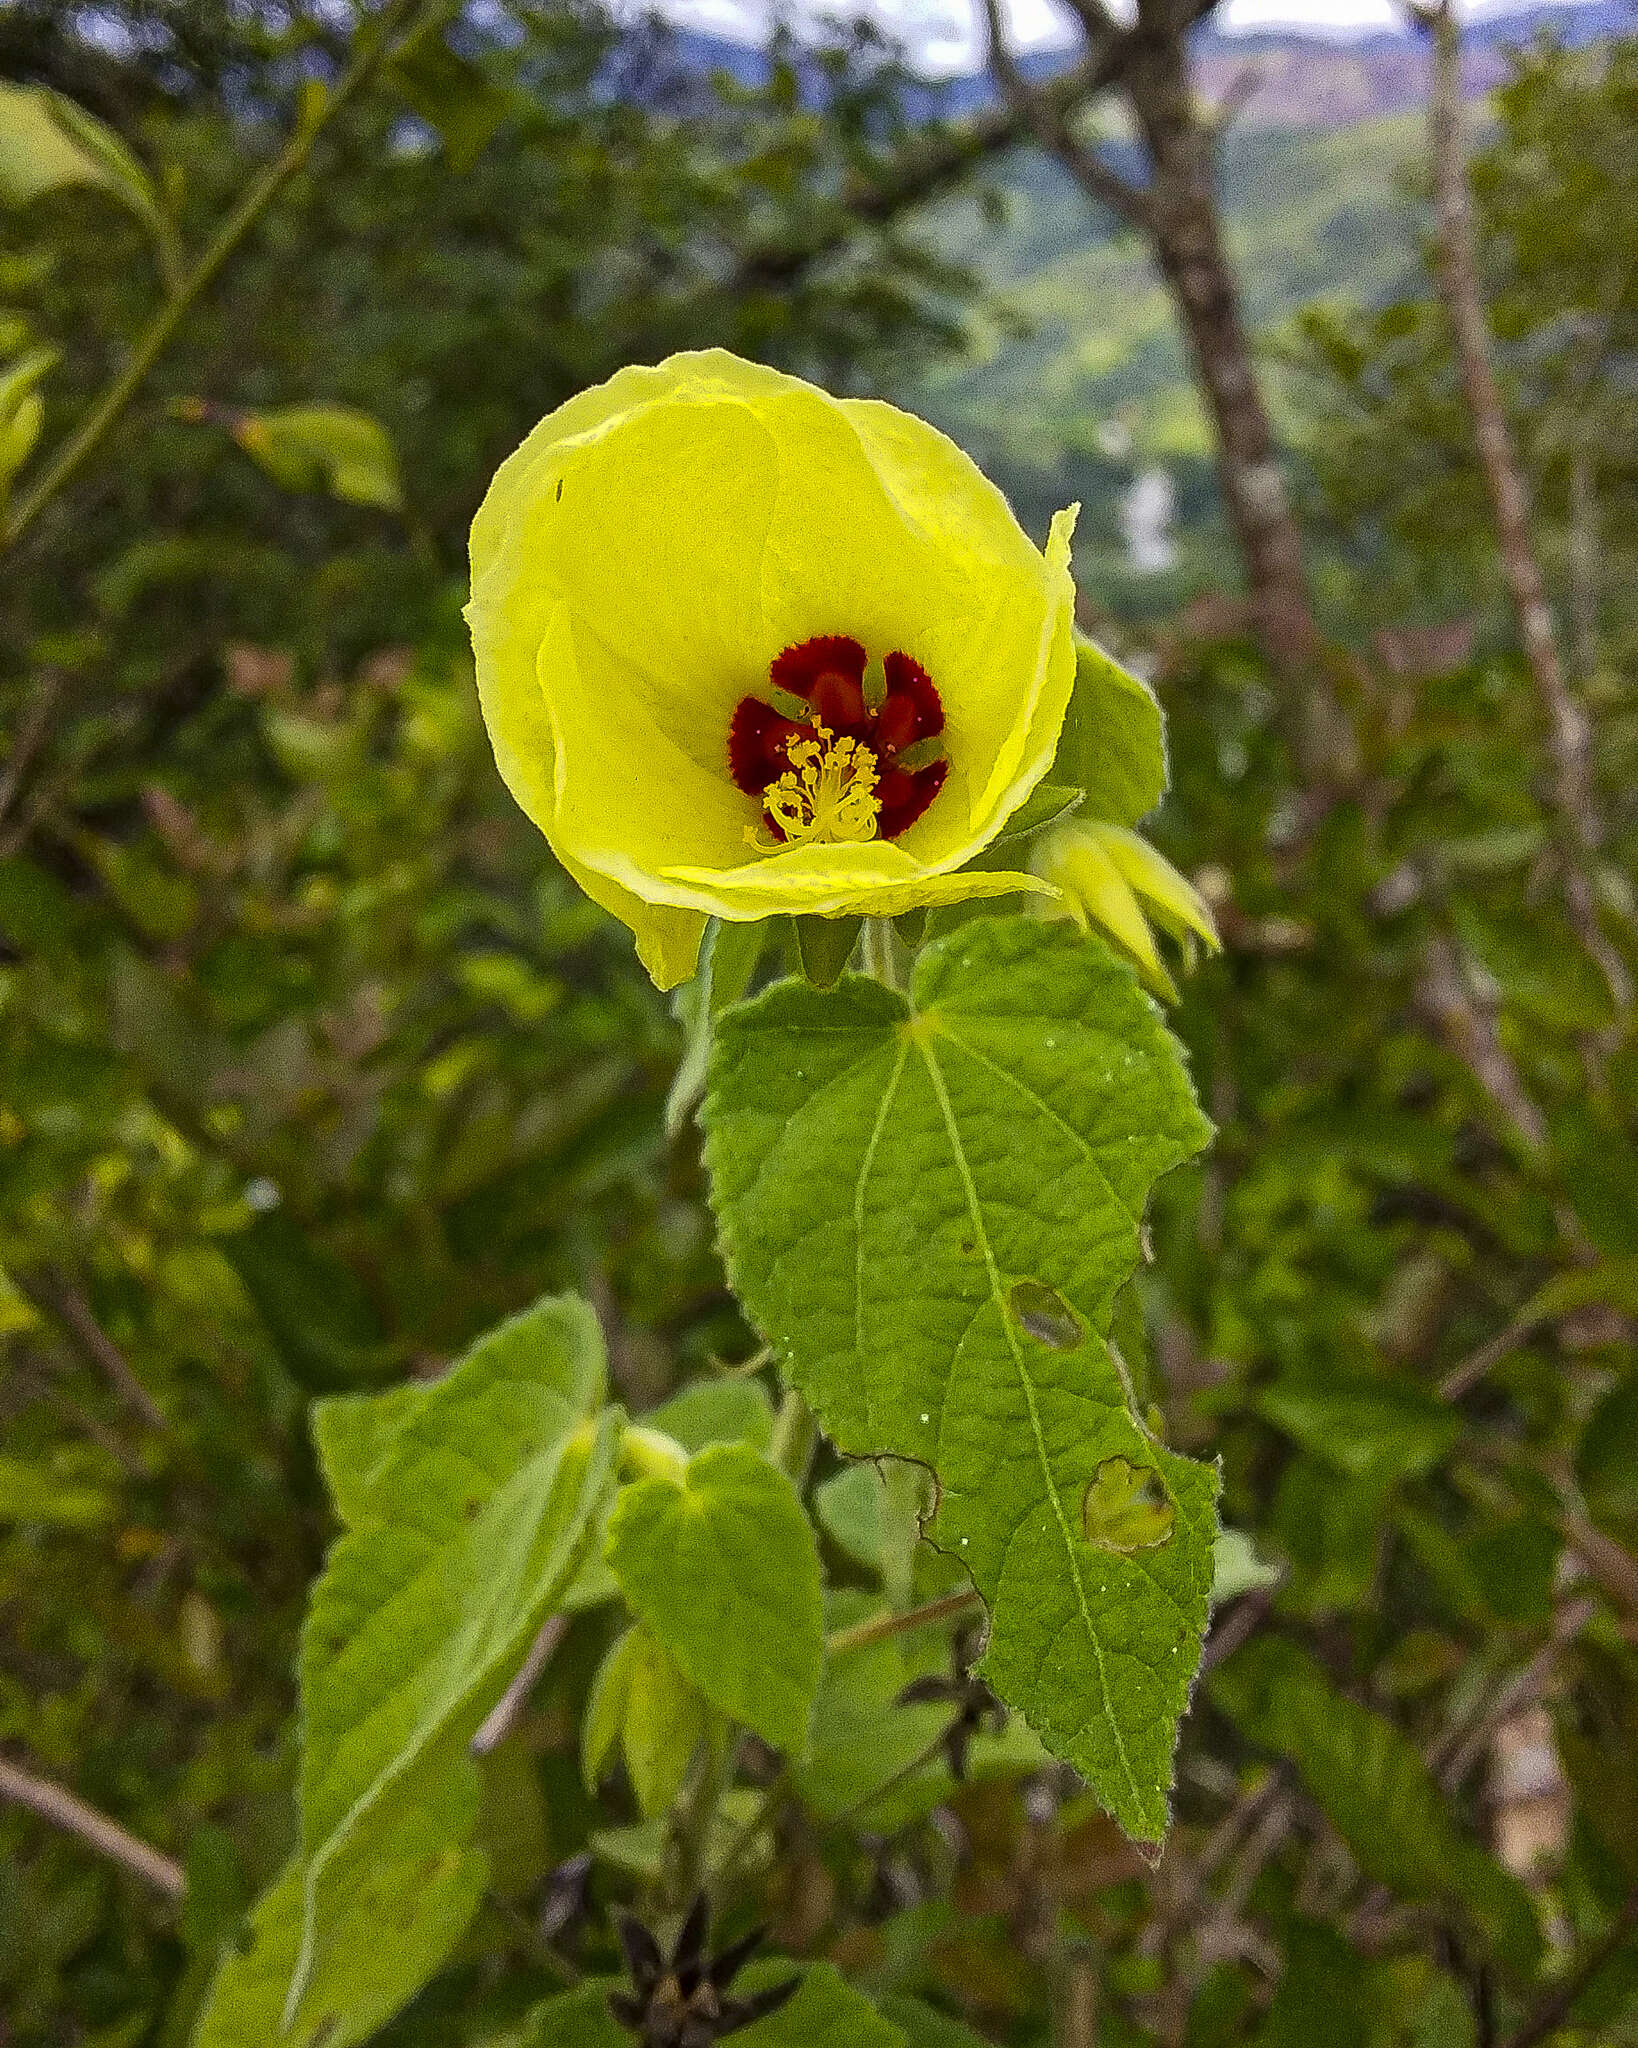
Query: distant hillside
(1317,81)
(1299,77)
(1079,387)
(1096,390)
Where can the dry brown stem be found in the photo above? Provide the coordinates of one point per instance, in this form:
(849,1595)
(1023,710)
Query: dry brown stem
(63,1809)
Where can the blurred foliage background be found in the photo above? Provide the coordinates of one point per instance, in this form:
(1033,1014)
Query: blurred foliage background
(314,1064)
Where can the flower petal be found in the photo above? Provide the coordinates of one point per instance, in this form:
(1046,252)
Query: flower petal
(652,548)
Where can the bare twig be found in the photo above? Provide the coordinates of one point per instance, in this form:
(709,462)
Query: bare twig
(1231,1829)
(59,1806)
(32,729)
(1569,733)
(1454,1756)
(1238,94)
(931,163)
(503,1715)
(55,1295)
(1462,1378)
(1052,127)
(1554,2009)
(1610,1563)
(1469,1028)
(1249,1615)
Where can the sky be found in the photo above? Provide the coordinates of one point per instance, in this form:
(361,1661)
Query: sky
(944,36)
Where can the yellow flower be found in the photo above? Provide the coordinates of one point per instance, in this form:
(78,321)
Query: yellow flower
(744,648)
(1109,876)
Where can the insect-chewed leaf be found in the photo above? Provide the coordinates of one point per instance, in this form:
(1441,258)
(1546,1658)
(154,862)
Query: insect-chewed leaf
(1127,1507)
(929,1206)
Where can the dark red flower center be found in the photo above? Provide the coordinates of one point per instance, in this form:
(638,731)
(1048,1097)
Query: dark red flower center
(835,751)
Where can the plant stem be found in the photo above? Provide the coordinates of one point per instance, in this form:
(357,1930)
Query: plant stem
(881,956)
(880,1627)
(795,1432)
(691,1820)
(767,1812)
(59,1806)
(1578,826)
(919,1762)
(258,196)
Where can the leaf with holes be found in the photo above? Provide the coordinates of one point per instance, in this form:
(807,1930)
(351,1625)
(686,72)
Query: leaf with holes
(928,1205)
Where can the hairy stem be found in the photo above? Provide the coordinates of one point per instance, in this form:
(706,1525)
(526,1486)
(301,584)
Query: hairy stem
(795,1433)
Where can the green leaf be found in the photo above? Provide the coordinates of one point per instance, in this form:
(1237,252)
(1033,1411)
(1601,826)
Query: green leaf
(1372,1429)
(1114,740)
(451,95)
(1046,803)
(862,1737)
(22,412)
(922,2027)
(853,1510)
(404,1890)
(332,448)
(641,1700)
(723,1567)
(1322,1995)
(33,1494)
(1613,1282)
(47,142)
(578,2019)
(1374,1788)
(929,1208)
(353,1435)
(826,2013)
(322,1323)
(1606,1461)
(717,1412)
(474,1528)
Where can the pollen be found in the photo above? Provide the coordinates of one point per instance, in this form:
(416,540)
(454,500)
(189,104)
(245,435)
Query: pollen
(827,794)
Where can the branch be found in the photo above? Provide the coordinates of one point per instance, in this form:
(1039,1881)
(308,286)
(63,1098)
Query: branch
(1569,734)
(1610,1563)
(1470,1031)
(1050,123)
(60,1807)
(259,195)
(1456,1753)
(933,162)
(58,1298)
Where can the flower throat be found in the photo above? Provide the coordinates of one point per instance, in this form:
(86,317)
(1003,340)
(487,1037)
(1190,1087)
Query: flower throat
(839,750)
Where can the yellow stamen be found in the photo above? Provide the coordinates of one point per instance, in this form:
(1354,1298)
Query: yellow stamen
(828,793)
